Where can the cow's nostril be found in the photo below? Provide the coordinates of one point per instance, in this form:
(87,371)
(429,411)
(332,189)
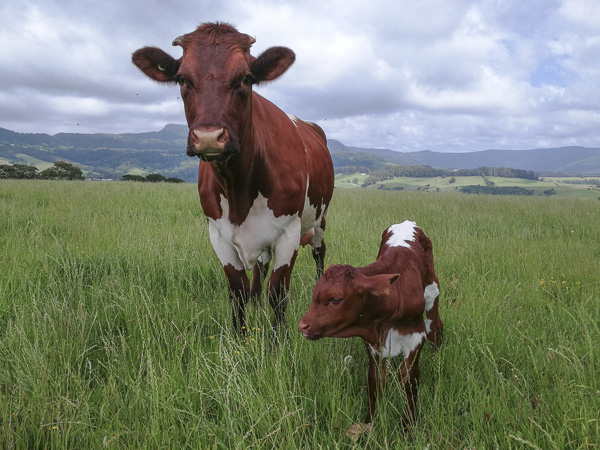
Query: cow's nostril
(223,137)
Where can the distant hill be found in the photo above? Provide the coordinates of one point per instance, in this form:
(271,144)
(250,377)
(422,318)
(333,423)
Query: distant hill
(566,160)
(113,155)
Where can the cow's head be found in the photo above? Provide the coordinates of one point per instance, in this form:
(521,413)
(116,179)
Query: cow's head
(215,74)
(344,303)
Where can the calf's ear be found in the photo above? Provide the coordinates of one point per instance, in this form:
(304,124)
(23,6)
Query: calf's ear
(272,63)
(380,285)
(156,64)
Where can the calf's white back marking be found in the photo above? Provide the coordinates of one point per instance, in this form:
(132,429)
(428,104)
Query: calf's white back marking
(402,234)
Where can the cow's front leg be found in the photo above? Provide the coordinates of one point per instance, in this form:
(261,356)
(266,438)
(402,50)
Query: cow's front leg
(375,381)
(238,287)
(409,377)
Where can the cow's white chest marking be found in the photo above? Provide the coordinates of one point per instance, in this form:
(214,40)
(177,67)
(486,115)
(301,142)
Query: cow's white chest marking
(241,245)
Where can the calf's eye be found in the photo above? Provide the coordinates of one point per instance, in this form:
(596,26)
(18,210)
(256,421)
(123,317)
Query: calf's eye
(335,300)
(179,79)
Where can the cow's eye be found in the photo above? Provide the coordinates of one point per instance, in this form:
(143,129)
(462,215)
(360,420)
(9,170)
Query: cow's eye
(179,79)
(248,80)
(335,300)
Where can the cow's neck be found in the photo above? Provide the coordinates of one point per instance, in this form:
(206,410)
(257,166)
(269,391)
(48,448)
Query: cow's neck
(239,177)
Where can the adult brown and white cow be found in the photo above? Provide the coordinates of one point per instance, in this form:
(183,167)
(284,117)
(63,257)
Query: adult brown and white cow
(265,178)
(383,303)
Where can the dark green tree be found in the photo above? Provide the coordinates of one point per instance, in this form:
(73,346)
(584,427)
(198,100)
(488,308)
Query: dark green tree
(130,177)
(174,180)
(62,171)
(18,171)
(155,178)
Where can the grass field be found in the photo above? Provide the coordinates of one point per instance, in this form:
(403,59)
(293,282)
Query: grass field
(115,326)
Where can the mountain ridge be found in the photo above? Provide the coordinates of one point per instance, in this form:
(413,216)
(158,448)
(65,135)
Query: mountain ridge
(104,155)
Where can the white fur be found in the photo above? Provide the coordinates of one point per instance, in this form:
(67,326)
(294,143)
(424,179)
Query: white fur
(294,120)
(402,234)
(431,293)
(311,221)
(261,232)
(396,343)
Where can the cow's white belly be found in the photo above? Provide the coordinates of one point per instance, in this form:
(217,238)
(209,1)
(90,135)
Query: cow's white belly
(396,343)
(261,232)
(312,222)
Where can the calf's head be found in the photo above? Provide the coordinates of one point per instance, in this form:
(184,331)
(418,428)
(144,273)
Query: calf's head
(345,303)
(215,75)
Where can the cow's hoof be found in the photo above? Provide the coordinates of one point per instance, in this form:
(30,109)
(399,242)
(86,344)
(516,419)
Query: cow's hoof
(355,431)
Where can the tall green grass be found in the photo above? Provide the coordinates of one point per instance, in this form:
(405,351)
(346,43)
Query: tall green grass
(115,326)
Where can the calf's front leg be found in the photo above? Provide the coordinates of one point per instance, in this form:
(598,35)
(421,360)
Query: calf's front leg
(409,377)
(375,381)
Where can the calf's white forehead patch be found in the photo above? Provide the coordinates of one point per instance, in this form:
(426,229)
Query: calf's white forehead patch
(402,234)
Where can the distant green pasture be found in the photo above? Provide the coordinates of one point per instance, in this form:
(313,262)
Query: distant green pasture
(442,184)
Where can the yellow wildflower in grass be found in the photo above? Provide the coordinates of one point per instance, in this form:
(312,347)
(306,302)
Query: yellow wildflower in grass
(558,289)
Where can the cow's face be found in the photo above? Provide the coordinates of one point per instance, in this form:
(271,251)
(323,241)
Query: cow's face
(215,75)
(344,303)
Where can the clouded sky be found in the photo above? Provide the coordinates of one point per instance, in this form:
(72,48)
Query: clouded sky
(409,75)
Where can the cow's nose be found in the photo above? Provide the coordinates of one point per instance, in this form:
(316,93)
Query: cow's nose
(206,139)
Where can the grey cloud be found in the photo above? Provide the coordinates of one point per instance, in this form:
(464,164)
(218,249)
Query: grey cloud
(453,76)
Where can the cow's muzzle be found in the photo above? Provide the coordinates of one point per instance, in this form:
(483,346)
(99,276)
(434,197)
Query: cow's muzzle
(208,142)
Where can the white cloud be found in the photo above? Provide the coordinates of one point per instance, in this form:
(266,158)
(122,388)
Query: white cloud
(461,75)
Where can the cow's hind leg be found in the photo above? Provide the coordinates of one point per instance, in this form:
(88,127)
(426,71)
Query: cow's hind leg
(278,290)
(319,248)
(238,287)
(259,273)
(319,257)
(433,322)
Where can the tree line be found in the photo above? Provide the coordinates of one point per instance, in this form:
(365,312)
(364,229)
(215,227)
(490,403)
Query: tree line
(151,178)
(60,170)
(392,171)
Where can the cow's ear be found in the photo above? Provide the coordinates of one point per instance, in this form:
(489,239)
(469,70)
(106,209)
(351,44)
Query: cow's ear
(380,285)
(272,63)
(156,64)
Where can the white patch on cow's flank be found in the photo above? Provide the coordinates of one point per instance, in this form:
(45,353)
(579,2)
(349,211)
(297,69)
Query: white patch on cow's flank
(242,245)
(396,343)
(310,219)
(427,325)
(402,234)
(431,293)
(294,120)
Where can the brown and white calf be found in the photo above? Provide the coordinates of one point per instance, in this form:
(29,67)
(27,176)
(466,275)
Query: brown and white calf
(392,304)
(265,179)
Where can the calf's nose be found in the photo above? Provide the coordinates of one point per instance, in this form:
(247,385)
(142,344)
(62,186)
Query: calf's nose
(303,326)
